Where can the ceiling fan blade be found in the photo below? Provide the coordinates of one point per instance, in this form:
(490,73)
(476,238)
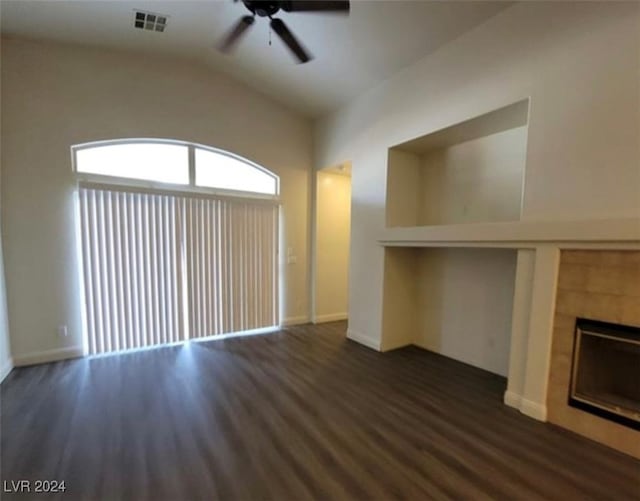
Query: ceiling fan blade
(236,32)
(315,6)
(287,37)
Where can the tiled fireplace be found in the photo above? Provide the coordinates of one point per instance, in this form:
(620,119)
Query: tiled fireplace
(597,315)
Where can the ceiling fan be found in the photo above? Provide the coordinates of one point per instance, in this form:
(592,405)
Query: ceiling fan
(268,8)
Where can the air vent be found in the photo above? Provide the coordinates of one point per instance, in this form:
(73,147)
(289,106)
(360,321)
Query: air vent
(150,21)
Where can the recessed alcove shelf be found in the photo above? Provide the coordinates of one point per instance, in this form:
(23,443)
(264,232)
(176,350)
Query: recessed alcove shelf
(471,172)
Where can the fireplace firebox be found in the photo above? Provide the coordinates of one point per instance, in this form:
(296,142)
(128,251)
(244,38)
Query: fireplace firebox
(605,377)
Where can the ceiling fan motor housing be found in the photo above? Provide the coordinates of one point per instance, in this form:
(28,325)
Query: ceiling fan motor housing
(262,8)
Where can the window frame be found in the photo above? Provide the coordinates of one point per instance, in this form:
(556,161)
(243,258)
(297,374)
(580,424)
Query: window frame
(191,187)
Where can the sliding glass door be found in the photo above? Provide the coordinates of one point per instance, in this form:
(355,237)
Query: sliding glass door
(161,268)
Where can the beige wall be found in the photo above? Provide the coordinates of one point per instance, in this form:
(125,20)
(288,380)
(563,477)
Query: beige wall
(479,180)
(402,300)
(453,301)
(466,298)
(578,62)
(55,96)
(475,181)
(333,221)
(404,182)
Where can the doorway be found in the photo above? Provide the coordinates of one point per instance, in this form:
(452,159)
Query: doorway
(332,242)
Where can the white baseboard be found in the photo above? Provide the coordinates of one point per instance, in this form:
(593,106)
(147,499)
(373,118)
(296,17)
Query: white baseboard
(330,317)
(533,409)
(362,339)
(512,399)
(527,407)
(41,357)
(302,319)
(6,369)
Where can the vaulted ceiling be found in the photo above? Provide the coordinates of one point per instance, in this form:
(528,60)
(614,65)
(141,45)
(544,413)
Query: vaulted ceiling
(352,53)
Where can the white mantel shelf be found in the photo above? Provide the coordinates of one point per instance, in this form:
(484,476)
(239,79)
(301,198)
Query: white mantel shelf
(621,233)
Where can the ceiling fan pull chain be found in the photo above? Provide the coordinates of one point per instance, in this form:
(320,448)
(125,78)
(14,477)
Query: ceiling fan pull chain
(270,30)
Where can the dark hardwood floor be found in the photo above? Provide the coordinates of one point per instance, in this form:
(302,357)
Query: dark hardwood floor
(300,414)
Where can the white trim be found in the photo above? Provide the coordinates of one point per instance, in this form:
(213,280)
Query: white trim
(512,399)
(540,335)
(364,340)
(533,409)
(520,319)
(299,320)
(6,369)
(330,317)
(41,357)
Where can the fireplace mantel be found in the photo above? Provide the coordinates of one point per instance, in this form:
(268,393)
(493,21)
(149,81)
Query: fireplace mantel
(623,232)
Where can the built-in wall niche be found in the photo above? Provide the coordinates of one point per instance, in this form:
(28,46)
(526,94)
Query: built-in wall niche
(471,172)
(457,302)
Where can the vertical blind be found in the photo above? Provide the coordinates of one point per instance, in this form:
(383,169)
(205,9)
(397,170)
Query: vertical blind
(231,263)
(161,268)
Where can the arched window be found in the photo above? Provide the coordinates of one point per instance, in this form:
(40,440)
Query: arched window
(187,165)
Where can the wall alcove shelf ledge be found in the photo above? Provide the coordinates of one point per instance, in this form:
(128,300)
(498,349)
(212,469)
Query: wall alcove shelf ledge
(522,234)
